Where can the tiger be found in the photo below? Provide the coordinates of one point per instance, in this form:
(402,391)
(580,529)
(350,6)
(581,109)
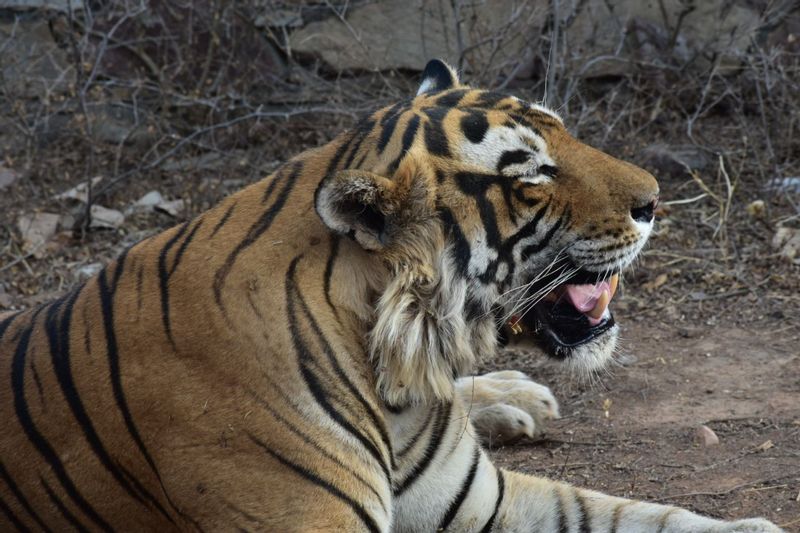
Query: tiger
(299,357)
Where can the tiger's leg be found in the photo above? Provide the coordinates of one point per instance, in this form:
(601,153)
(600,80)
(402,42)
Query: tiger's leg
(507,405)
(445,482)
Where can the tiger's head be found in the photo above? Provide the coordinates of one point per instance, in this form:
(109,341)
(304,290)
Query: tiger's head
(485,211)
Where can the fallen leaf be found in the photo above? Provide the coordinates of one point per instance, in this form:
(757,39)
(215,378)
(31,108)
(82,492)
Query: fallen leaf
(756,209)
(606,407)
(764,446)
(660,280)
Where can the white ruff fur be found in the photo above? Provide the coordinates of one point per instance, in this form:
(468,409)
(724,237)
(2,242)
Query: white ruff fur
(421,340)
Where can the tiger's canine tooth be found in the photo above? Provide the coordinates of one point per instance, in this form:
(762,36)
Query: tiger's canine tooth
(600,306)
(614,282)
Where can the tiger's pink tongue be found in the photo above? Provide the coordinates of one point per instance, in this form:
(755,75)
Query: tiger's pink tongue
(591,300)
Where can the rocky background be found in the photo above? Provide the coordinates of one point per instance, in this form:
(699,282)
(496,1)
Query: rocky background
(119,118)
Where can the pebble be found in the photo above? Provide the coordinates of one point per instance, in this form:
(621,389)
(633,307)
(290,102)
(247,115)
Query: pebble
(706,437)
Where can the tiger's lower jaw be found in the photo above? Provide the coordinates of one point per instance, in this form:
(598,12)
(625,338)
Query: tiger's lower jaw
(585,346)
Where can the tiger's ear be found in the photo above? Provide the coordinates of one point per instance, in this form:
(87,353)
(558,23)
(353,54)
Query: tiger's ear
(359,204)
(438,76)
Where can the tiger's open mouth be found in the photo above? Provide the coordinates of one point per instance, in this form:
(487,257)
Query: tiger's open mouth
(573,314)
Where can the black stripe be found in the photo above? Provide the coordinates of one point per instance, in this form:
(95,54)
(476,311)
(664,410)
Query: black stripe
(490,99)
(12,485)
(532,249)
(474,126)
(38,383)
(421,431)
(183,246)
(61,507)
(223,220)
(616,515)
(333,490)
(313,443)
(437,434)
(408,138)
(513,157)
(338,155)
(461,247)
(435,137)
(305,360)
(501,487)
(561,519)
(394,409)
(662,523)
(386,133)
(33,434)
(58,335)
(139,287)
(277,177)
(12,517)
(544,119)
(548,170)
(527,230)
(584,525)
(376,419)
(256,230)
(5,323)
(364,131)
(391,113)
(163,281)
(451,98)
(107,294)
(462,493)
(326,278)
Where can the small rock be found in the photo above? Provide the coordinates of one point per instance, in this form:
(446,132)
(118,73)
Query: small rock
(171,208)
(151,199)
(80,192)
(7,177)
(105,218)
(36,230)
(689,333)
(705,437)
(67,222)
(87,271)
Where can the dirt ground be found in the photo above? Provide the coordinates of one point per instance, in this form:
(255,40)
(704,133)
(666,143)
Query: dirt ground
(632,432)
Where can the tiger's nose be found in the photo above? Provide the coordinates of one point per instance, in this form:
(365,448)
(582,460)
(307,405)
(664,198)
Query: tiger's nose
(645,213)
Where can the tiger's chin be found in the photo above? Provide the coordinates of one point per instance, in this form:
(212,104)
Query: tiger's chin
(573,323)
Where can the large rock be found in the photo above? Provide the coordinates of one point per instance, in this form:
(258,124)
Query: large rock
(31,63)
(62,6)
(393,34)
(598,37)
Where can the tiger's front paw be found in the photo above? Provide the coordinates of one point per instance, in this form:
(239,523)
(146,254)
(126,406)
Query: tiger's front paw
(750,525)
(506,406)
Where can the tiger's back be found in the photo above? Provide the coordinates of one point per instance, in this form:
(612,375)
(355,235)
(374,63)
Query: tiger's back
(113,383)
